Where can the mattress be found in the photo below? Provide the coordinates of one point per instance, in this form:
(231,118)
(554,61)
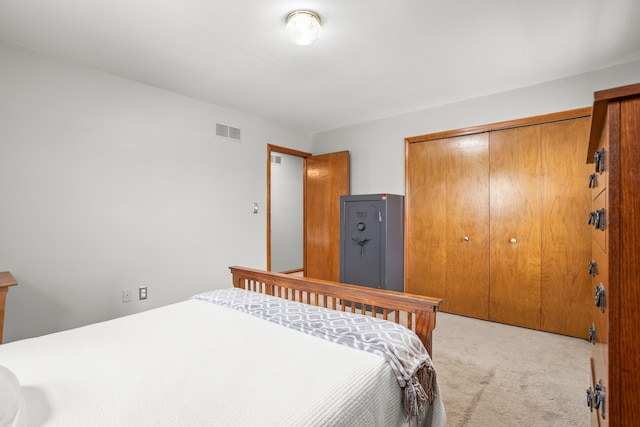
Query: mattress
(199,364)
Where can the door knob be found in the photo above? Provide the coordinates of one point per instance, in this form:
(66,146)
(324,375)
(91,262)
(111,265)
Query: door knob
(466,238)
(513,240)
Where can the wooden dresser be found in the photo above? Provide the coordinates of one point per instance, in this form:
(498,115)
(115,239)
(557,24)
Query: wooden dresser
(614,150)
(6,280)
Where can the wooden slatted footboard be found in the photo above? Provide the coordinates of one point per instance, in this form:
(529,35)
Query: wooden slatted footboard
(416,312)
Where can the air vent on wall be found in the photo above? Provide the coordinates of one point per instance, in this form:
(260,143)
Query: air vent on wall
(228,132)
(276,160)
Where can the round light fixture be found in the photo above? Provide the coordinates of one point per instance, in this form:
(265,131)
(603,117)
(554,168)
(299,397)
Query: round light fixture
(303,27)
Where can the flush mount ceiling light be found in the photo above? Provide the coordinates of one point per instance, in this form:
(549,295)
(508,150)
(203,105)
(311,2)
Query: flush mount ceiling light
(303,27)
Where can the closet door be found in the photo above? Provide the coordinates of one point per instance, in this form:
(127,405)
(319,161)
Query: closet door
(448,217)
(426,219)
(468,226)
(516,217)
(566,236)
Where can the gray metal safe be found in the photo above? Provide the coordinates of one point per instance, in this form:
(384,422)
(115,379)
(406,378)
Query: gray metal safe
(372,241)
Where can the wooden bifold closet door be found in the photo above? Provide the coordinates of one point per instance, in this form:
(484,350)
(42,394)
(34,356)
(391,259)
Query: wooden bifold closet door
(449,222)
(496,226)
(515,218)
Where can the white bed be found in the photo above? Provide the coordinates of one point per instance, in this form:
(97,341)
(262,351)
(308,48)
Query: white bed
(195,363)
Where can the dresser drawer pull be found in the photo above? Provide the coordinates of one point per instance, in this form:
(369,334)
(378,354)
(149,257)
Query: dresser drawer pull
(590,399)
(592,333)
(593,268)
(595,399)
(600,297)
(599,160)
(596,218)
(599,399)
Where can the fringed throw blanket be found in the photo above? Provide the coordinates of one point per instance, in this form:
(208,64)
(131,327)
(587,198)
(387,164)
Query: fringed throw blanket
(401,347)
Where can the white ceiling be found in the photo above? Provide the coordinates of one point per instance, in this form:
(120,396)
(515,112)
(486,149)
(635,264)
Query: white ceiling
(374,59)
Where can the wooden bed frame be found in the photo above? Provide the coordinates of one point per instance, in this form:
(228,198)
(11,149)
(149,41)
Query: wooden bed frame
(416,312)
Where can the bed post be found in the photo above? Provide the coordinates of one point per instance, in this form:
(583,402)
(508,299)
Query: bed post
(425,324)
(235,279)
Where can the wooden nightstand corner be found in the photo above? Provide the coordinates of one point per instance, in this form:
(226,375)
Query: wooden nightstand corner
(6,280)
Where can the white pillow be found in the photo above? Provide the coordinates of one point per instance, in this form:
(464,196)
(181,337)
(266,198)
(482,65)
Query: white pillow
(13,412)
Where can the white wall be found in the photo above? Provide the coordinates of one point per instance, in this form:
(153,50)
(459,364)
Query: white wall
(377,148)
(107,184)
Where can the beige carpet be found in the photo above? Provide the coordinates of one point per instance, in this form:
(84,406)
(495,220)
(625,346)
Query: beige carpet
(498,375)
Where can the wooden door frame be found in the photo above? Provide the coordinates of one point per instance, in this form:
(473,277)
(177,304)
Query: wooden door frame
(284,150)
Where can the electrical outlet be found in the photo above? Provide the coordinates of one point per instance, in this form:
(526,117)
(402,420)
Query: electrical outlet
(126,295)
(142,292)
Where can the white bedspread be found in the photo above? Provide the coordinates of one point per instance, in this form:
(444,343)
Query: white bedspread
(200,364)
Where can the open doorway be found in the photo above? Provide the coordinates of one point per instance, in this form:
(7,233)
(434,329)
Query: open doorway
(285,209)
(324,178)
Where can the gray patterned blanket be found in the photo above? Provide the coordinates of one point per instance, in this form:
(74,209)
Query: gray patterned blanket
(401,347)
